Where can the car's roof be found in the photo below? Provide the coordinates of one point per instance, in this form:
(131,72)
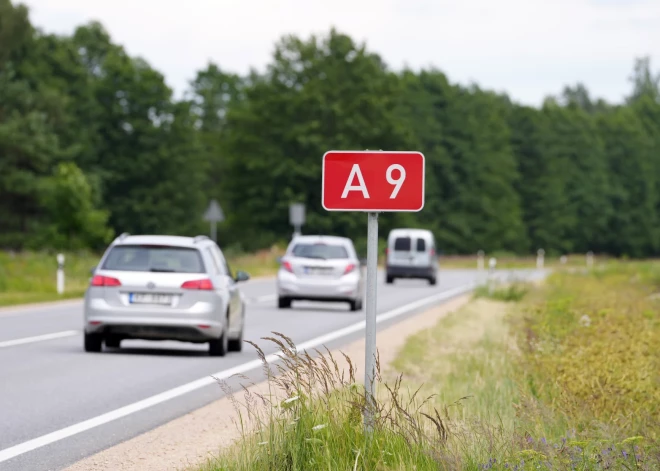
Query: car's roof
(317,238)
(322,238)
(409,231)
(177,241)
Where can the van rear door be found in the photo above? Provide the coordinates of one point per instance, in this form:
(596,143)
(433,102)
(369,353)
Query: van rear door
(422,251)
(401,251)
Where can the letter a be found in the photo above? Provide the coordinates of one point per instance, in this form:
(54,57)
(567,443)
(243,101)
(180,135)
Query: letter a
(355,171)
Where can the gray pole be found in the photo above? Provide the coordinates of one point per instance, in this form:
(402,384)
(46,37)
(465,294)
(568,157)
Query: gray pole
(370,338)
(214,232)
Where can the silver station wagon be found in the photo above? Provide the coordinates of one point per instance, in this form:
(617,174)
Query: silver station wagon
(155,287)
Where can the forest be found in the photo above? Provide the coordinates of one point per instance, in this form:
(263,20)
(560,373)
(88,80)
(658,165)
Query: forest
(93,143)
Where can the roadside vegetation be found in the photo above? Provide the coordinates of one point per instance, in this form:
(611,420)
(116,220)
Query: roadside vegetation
(562,376)
(30,277)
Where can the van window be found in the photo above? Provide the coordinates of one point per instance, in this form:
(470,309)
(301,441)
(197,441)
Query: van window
(421,245)
(402,244)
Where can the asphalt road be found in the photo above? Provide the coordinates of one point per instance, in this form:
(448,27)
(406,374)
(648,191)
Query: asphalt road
(59,404)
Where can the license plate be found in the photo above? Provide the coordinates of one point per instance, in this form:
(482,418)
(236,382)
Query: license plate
(150,298)
(317,271)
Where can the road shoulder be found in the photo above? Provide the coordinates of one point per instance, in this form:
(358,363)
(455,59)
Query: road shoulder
(190,440)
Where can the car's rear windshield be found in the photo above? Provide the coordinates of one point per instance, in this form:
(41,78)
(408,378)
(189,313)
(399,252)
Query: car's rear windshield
(154,258)
(320,251)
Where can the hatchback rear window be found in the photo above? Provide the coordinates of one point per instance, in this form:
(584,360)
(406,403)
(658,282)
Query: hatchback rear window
(402,244)
(320,251)
(421,245)
(155,258)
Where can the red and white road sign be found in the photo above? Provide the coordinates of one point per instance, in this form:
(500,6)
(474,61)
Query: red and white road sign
(373,181)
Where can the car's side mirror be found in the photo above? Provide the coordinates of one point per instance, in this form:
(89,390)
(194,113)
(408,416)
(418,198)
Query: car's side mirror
(363,262)
(92,270)
(279,260)
(241,276)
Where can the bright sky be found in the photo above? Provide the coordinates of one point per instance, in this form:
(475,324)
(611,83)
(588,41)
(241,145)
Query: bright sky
(527,48)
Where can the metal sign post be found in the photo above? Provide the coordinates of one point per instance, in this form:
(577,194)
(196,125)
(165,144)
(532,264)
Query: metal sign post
(370,335)
(214,215)
(372,182)
(296,217)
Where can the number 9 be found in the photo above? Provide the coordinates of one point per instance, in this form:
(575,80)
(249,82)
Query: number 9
(399,181)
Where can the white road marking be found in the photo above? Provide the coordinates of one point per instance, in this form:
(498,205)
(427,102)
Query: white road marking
(39,338)
(47,439)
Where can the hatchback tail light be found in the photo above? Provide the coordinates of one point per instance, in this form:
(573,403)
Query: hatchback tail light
(99,280)
(432,252)
(287,266)
(387,250)
(205,284)
(349,268)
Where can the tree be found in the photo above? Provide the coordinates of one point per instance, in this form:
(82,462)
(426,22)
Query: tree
(76,222)
(319,94)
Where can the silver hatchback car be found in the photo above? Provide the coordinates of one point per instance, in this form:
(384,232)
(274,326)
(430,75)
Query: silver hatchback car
(320,268)
(164,288)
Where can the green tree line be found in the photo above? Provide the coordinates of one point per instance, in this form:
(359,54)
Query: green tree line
(93,143)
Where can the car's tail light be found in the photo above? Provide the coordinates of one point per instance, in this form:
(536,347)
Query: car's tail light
(287,266)
(387,250)
(349,268)
(432,252)
(99,280)
(205,284)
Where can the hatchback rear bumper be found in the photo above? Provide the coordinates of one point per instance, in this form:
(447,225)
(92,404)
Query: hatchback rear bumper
(402,271)
(200,325)
(292,287)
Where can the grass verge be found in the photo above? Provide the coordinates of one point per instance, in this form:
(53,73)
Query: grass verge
(562,376)
(30,277)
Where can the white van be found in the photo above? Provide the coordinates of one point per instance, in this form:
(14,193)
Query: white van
(411,253)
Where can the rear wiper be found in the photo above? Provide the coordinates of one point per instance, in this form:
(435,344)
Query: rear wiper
(317,257)
(161,270)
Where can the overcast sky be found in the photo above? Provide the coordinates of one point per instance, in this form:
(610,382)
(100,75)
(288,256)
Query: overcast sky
(528,48)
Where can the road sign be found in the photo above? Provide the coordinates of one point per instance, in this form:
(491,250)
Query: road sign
(214,212)
(373,181)
(297,214)
(214,215)
(297,217)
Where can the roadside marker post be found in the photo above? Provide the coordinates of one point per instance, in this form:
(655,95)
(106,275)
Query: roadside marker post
(296,217)
(60,273)
(540,258)
(590,259)
(372,182)
(214,215)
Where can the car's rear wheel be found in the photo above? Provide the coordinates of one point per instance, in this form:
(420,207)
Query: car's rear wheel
(356,305)
(433,281)
(283,303)
(93,342)
(219,347)
(112,342)
(389,279)
(236,345)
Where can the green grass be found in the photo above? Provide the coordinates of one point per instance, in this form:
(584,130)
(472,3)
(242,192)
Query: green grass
(30,277)
(311,419)
(562,376)
(566,379)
